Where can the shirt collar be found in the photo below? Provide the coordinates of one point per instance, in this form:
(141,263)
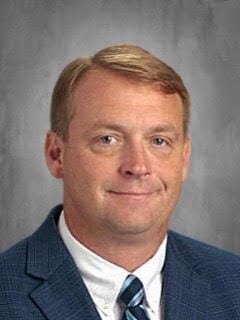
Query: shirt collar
(104,279)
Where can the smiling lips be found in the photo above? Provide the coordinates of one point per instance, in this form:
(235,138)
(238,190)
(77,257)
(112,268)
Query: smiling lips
(131,194)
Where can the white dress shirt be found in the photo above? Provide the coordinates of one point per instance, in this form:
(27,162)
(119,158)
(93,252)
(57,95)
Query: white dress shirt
(104,279)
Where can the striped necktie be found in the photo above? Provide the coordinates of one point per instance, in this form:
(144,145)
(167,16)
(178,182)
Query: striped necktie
(131,295)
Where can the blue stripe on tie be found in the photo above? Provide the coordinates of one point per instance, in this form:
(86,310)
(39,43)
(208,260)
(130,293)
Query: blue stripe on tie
(127,282)
(137,298)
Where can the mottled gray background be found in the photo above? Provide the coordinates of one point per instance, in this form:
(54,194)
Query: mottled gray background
(200,38)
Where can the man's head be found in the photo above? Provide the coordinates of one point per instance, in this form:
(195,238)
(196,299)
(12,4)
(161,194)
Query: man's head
(127,60)
(119,142)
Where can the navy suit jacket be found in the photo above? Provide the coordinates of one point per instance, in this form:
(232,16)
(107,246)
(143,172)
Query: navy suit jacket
(39,280)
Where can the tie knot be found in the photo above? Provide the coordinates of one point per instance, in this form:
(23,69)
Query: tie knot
(132,291)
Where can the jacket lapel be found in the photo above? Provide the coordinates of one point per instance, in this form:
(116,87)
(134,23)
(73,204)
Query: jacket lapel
(62,294)
(185,293)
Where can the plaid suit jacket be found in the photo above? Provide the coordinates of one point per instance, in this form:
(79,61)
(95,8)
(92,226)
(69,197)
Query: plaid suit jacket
(39,280)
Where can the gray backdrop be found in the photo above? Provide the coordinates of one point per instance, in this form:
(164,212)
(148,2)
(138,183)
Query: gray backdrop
(200,38)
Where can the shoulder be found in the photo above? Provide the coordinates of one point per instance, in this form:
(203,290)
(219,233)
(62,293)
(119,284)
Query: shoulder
(14,283)
(21,265)
(196,249)
(16,258)
(204,259)
(13,260)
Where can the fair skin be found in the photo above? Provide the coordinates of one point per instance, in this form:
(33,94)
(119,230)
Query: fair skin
(122,166)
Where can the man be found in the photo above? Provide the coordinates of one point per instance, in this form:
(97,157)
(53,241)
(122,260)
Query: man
(119,141)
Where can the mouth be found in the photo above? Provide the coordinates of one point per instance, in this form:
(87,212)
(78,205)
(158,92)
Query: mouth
(130,194)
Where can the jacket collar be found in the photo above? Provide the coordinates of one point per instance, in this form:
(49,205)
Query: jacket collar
(185,292)
(62,293)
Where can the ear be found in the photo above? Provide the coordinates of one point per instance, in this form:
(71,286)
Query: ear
(186,156)
(54,148)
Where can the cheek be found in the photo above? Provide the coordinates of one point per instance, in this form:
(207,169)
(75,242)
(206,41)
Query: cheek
(171,171)
(86,169)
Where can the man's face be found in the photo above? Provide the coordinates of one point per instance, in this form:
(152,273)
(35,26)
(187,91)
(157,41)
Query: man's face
(125,157)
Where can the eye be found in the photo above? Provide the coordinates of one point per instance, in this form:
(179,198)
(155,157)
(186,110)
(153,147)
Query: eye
(160,142)
(107,140)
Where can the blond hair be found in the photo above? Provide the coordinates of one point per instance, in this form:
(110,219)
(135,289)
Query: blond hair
(132,61)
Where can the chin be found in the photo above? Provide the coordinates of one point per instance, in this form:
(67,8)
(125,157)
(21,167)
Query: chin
(134,227)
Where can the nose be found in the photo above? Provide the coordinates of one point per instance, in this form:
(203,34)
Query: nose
(135,162)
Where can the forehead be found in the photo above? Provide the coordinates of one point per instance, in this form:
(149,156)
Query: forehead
(103,94)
